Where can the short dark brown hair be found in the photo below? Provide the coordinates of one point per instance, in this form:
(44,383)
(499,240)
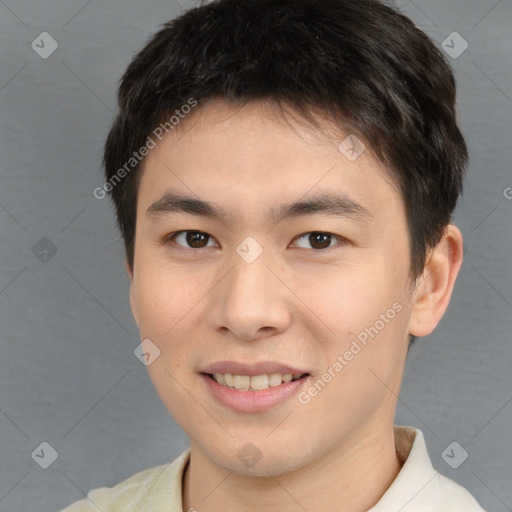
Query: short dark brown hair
(361,64)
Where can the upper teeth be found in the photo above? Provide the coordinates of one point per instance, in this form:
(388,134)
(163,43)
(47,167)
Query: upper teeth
(256,382)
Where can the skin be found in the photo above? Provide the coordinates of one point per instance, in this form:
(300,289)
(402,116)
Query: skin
(296,304)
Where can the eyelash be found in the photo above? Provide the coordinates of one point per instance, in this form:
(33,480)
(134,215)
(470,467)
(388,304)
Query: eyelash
(172,236)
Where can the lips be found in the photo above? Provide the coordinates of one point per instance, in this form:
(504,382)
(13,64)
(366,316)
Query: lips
(252,388)
(251,400)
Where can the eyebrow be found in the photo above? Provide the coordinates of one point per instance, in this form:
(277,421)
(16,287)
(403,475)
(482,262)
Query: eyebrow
(327,204)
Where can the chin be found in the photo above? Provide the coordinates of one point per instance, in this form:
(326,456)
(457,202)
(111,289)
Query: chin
(249,460)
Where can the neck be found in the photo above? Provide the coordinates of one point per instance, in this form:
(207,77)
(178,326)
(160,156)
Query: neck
(351,478)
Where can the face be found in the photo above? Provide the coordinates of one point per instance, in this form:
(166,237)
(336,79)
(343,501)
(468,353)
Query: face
(266,288)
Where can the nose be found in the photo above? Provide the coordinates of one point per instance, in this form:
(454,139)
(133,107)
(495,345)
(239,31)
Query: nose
(251,301)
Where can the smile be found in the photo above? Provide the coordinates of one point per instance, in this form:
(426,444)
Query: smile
(255,382)
(255,393)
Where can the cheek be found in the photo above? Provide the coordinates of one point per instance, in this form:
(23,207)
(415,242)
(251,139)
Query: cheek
(164,298)
(349,298)
(168,303)
(364,365)
(367,313)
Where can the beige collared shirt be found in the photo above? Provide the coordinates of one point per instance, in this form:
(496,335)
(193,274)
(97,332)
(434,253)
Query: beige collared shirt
(417,488)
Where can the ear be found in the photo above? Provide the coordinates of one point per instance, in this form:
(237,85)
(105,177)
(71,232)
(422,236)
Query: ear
(434,288)
(133,306)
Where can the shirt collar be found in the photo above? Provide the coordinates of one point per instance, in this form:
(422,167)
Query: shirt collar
(417,473)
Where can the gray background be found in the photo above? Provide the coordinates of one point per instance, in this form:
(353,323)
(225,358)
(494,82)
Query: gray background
(68,375)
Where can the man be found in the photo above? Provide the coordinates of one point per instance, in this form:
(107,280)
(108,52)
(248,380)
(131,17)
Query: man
(284,175)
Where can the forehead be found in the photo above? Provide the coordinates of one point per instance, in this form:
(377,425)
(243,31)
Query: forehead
(254,155)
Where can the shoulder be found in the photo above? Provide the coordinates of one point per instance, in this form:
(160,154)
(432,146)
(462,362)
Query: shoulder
(137,491)
(419,487)
(456,497)
(122,495)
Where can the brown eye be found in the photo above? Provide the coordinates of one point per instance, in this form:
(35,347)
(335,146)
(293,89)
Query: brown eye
(193,239)
(319,239)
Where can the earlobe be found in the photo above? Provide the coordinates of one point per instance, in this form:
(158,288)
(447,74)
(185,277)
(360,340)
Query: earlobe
(434,288)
